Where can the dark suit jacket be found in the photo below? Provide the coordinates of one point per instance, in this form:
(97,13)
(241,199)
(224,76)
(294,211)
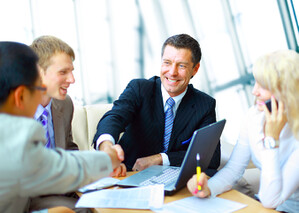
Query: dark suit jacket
(139,113)
(62,115)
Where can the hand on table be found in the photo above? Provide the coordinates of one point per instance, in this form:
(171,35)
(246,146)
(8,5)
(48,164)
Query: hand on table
(145,162)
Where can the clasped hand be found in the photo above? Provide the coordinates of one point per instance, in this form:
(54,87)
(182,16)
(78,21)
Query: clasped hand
(116,155)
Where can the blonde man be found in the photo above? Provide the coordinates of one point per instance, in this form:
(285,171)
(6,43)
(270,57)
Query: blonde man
(56,109)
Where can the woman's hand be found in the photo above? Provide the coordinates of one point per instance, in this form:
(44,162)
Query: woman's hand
(192,186)
(275,120)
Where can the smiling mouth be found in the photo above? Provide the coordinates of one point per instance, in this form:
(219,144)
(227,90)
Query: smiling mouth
(64,89)
(170,80)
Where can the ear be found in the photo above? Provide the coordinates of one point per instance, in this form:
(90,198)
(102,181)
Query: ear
(19,96)
(195,69)
(42,72)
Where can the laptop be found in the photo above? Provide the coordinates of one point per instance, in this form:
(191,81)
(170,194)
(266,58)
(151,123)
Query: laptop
(204,141)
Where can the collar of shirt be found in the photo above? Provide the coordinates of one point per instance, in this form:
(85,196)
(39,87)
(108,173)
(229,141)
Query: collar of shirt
(177,99)
(40,109)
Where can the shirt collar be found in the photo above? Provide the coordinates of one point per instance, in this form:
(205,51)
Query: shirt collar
(40,109)
(177,99)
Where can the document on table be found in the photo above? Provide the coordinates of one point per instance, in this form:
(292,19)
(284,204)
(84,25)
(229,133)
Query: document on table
(133,198)
(198,205)
(99,184)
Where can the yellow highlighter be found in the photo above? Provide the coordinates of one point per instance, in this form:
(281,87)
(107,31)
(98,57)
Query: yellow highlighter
(198,171)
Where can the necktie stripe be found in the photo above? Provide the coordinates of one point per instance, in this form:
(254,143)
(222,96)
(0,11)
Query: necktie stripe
(44,121)
(168,123)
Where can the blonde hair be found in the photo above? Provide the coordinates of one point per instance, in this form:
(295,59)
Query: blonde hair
(279,73)
(47,46)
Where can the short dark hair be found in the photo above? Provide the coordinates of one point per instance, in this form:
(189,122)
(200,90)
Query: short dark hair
(18,66)
(187,42)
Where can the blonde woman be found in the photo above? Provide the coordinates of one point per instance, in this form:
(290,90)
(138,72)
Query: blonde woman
(270,139)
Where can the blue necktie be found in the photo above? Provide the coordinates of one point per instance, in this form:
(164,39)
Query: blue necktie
(44,121)
(168,123)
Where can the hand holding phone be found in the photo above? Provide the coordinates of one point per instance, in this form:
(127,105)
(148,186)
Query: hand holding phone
(268,104)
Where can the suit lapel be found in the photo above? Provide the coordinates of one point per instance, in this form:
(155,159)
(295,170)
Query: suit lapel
(184,114)
(158,108)
(57,118)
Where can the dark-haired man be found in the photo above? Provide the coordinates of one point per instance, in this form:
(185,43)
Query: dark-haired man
(158,116)
(27,168)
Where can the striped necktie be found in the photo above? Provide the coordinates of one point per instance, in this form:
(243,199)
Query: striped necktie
(44,121)
(168,123)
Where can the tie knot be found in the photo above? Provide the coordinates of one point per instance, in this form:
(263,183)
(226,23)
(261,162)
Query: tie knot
(170,102)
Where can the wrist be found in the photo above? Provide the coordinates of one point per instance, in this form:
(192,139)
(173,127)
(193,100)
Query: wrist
(270,143)
(105,144)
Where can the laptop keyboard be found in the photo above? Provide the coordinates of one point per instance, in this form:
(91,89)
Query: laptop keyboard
(165,177)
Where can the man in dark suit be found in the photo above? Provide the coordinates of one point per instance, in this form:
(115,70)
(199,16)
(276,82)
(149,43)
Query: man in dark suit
(142,111)
(56,110)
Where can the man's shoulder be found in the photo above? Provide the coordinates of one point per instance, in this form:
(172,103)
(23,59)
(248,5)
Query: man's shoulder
(146,82)
(200,95)
(26,128)
(67,104)
(145,85)
(66,101)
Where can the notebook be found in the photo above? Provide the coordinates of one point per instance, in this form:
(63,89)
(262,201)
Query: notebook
(204,141)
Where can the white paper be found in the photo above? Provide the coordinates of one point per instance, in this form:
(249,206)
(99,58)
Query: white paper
(99,184)
(206,205)
(133,198)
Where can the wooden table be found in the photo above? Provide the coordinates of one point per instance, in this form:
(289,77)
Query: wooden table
(252,205)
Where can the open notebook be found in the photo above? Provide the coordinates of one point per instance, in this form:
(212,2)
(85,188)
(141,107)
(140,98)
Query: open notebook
(204,141)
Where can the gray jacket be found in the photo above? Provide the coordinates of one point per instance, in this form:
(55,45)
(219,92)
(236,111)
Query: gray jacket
(28,169)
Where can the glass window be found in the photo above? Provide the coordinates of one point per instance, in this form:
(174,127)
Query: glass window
(259,27)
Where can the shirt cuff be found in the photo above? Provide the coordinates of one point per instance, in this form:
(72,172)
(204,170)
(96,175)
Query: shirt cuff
(165,159)
(104,137)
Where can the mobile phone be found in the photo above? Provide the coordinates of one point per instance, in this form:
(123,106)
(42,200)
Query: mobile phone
(268,104)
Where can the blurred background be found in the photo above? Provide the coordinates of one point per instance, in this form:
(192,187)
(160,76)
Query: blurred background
(116,41)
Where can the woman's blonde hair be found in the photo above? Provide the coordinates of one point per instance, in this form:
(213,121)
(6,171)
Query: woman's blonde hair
(47,46)
(279,73)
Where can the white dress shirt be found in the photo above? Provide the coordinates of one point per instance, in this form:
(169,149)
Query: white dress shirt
(165,96)
(279,183)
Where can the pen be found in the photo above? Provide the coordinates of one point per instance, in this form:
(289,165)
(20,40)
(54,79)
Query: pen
(198,171)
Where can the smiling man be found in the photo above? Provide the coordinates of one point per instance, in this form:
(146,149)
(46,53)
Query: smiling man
(158,116)
(56,109)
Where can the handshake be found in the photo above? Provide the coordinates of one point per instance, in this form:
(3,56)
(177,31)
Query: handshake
(116,155)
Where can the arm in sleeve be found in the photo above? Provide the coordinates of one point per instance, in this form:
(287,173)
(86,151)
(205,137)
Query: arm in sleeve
(224,179)
(116,120)
(47,171)
(278,184)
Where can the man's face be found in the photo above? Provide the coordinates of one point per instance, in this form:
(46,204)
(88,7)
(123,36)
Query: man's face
(58,76)
(176,69)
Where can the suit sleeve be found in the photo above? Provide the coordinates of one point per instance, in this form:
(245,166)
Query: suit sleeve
(46,171)
(115,121)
